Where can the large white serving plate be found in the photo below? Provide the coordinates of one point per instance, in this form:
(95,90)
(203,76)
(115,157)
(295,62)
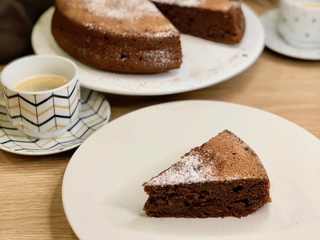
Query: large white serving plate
(102,189)
(205,63)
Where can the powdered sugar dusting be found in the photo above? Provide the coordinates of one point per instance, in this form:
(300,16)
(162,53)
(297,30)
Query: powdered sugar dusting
(161,31)
(128,18)
(121,9)
(159,57)
(191,169)
(223,158)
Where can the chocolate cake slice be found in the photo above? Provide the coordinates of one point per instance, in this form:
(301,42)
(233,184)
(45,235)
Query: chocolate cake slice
(223,177)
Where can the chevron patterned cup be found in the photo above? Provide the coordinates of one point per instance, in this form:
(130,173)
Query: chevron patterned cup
(46,113)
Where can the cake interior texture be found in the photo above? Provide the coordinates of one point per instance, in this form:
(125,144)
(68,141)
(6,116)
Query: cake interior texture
(219,21)
(223,177)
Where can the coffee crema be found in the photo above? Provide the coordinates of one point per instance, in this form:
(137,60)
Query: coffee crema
(41,83)
(309,4)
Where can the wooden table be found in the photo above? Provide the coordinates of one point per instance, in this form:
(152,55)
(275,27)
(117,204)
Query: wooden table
(30,186)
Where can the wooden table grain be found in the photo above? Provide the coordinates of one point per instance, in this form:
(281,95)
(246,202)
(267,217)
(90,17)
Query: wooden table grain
(30,186)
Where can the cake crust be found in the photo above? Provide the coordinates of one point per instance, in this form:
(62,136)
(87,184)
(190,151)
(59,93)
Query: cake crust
(223,177)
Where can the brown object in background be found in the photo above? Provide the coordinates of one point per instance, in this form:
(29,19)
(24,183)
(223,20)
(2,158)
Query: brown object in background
(17,18)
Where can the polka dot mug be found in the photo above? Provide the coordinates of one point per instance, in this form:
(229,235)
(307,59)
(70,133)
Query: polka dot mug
(299,23)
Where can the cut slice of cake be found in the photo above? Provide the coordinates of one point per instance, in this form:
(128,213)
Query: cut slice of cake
(219,20)
(223,177)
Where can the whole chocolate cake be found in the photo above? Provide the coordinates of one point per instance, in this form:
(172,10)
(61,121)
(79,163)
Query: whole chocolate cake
(122,36)
(223,177)
(141,36)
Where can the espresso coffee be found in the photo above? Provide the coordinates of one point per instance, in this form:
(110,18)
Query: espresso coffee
(41,83)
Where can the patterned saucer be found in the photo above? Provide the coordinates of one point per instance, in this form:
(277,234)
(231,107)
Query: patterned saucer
(95,112)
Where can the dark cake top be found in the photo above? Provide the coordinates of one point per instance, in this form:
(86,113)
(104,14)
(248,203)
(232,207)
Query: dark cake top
(223,158)
(134,17)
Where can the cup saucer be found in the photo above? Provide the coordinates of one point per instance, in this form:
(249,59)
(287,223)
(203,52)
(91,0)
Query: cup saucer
(95,112)
(276,43)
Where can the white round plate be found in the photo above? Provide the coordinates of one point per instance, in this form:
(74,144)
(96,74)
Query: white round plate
(275,42)
(95,112)
(102,189)
(205,63)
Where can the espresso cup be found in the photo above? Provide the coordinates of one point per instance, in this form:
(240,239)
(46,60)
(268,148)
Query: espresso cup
(41,94)
(299,23)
